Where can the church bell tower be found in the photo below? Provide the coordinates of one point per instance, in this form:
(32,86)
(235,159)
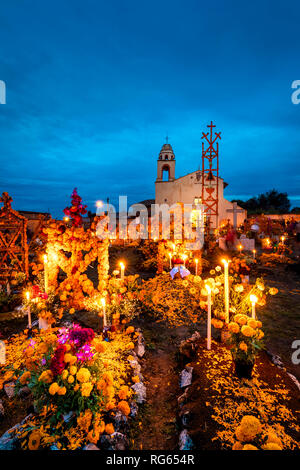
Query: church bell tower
(166,163)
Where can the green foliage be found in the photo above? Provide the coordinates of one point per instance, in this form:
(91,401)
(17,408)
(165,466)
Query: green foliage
(271,202)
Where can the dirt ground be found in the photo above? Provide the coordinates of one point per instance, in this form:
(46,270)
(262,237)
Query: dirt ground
(156,427)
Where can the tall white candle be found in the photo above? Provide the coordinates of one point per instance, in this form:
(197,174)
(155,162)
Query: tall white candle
(253,300)
(226,290)
(208,289)
(184,259)
(196,262)
(170,257)
(46,273)
(104,311)
(28,310)
(122,266)
(254,252)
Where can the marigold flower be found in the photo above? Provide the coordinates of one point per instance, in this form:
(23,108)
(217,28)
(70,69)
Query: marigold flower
(109,428)
(124,407)
(73,370)
(249,447)
(129,330)
(273,438)
(83,375)
(107,376)
(248,429)
(247,331)
(64,375)
(71,379)
(62,391)
(130,345)
(67,357)
(273,291)
(34,440)
(110,405)
(86,389)
(25,377)
(135,379)
(100,346)
(46,376)
(237,446)
(252,323)
(233,327)
(53,388)
(243,346)
(271,446)
(123,392)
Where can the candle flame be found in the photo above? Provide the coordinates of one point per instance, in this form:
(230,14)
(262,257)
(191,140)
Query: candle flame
(208,289)
(103,301)
(225,262)
(122,265)
(45,258)
(253,299)
(27,294)
(170,255)
(196,260)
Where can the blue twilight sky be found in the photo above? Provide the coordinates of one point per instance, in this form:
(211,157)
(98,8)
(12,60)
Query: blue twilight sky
(94,86)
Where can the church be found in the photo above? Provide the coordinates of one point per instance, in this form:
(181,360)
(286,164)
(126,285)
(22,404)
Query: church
(199,187)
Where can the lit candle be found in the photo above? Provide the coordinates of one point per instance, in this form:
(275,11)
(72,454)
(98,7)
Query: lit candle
(226,290)
(282,239)
(122,266)
(208,289)
(240,247)
(27,294)
(196,262)
(184,257)
(170,256)
(104,311)
(254,252)
(46,273)
(253,300)
(174,247)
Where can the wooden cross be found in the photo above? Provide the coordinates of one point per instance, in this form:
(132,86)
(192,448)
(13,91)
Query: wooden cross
(235,211)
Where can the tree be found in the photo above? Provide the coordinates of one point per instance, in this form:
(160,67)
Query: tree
(295,210)
(271,202)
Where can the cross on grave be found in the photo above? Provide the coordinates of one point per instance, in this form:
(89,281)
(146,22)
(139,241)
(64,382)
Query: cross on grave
(235,212)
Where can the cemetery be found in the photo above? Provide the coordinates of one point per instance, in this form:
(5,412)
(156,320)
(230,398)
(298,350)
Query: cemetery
(146,344)
(149,231)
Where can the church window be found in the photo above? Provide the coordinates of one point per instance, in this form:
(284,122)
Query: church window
(165,173)
(166,157)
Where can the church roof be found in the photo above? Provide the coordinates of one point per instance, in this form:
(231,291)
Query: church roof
(167,147)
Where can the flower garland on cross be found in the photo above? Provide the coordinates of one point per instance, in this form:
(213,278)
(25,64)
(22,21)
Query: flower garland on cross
(77,210)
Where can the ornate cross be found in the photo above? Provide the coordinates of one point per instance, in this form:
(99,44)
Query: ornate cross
(6,199)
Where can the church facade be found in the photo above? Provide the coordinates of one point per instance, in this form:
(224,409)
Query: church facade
(188,190)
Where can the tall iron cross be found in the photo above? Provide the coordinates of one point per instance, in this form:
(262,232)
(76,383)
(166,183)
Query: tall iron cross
(235,212)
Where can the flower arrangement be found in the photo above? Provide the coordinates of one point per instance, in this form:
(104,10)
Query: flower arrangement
(246,341)
(175,301)
(78,381)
